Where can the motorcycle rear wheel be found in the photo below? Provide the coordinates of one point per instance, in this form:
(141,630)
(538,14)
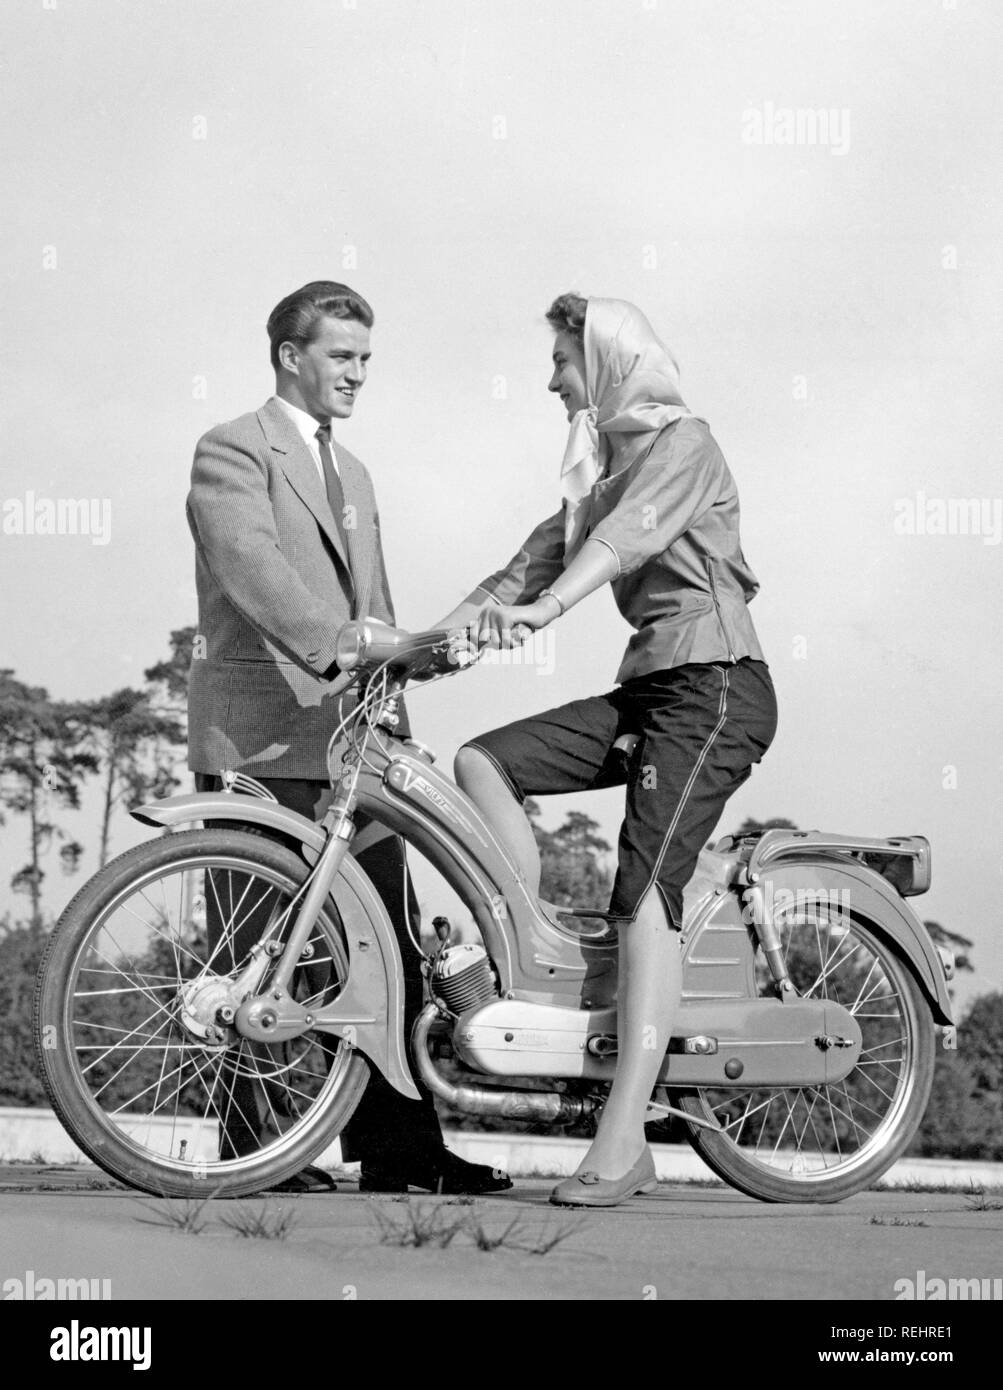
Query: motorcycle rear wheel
(825,1143)
(125,997)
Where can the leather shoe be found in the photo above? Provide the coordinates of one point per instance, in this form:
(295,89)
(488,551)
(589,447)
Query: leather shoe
(444,1173)
(590,1190)
(307,1180)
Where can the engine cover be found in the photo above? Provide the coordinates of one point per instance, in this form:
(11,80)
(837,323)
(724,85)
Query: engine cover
(516,1037)
(760,1042)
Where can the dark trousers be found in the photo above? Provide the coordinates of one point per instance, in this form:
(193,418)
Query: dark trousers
(386,1127)
(700,729)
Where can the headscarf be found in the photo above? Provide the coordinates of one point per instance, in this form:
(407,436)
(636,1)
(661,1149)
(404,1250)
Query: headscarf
(632,387)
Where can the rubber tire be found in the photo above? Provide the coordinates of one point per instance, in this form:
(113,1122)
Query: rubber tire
(724,1158)
(70,1100)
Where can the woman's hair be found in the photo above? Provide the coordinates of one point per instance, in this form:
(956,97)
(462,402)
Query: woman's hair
(295,319)
(567,315)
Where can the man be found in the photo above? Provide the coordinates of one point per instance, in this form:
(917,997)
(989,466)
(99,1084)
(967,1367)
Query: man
(287,550)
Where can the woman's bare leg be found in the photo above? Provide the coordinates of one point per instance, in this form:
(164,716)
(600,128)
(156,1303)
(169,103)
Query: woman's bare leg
(491,794)
(649,975)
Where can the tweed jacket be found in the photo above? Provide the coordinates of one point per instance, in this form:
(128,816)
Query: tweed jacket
(275,584)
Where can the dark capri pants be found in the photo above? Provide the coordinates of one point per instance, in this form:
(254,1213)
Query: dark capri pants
(702,726)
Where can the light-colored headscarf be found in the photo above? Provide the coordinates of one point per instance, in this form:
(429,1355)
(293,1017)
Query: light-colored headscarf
(632,386)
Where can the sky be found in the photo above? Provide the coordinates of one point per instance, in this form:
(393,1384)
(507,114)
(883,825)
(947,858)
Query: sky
(802,197)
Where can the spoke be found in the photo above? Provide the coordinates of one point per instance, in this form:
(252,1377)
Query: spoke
(830,966)
(133,989)
(823,1150)
(152,926)
(105,1028)
(848,1114)
(749,1110)
(227,931)
(96,970)
(149,996)
(160,1079)
(117,1047)
(167,917)
(233,1102)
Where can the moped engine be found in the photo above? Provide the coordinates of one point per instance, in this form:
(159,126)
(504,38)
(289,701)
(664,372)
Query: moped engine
(462,977)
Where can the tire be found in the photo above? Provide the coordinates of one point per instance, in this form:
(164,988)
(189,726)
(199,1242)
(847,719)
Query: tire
(826,1143)
(159,1102)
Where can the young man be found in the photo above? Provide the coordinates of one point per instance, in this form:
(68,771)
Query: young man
(287,550)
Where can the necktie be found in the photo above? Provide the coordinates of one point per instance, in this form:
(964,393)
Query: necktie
(335,495)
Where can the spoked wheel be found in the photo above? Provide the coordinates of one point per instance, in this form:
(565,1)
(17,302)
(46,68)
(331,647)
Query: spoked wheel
(134,1020)
(823,1143)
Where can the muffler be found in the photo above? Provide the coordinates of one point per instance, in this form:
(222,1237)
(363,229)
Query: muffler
(548,1107)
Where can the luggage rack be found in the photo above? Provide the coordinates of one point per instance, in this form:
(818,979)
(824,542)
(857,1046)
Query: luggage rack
(903,860)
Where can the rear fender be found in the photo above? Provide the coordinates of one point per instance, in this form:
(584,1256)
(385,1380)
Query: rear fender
(372,1003)
(865,894)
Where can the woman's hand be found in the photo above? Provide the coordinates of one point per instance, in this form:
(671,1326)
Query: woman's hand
(504,627)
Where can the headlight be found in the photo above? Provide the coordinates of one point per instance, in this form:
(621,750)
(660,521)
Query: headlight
(350,646)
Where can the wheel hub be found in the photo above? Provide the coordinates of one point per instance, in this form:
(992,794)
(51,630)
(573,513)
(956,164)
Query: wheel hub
(206,1010)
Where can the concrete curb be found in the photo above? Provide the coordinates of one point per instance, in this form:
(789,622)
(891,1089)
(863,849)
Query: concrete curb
(37,1136)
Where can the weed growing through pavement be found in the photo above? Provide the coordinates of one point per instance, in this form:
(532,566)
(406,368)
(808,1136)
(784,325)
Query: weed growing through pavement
(894,1221)
(422,1224)
(185,1216)
(266,1224)
(976,1199)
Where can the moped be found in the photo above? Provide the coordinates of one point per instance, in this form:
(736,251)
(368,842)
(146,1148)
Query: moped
(800,1061)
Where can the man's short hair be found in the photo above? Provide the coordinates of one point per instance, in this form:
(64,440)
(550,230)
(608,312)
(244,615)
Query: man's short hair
(295,318)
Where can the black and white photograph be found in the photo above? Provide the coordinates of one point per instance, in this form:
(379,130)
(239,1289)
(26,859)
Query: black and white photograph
(501,521)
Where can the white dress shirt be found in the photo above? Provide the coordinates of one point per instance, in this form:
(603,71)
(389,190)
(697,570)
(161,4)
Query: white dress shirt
(307,427)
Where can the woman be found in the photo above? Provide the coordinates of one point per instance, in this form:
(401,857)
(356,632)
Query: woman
(650,507)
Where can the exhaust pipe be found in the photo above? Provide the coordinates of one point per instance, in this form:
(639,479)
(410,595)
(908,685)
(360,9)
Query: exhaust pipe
(550,1107)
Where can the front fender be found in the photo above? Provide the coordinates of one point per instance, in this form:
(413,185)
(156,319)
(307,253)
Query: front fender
(863,893)
(373,999)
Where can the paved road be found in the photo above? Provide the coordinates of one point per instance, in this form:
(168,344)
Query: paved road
(681,1242)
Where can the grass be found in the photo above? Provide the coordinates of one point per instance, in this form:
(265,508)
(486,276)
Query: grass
(894,1221)
(265,1224)
(184,1216)
(943,1189)
(977,1199)
(422,1224)
(430,1224)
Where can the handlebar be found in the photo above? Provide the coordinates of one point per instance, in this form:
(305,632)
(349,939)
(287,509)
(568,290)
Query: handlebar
(368,642)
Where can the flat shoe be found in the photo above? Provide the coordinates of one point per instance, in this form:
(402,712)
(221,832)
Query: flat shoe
(590,1190)
(307,1180)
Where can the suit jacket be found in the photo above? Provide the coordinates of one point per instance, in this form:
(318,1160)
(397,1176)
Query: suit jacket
(275,584)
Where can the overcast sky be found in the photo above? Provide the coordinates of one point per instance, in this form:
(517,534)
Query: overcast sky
(175,169)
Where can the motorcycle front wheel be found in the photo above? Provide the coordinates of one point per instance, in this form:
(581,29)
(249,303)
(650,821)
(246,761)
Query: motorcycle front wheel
(133,1020)
(824,1143)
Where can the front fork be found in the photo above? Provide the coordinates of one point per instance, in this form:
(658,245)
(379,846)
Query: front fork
(276,1016)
